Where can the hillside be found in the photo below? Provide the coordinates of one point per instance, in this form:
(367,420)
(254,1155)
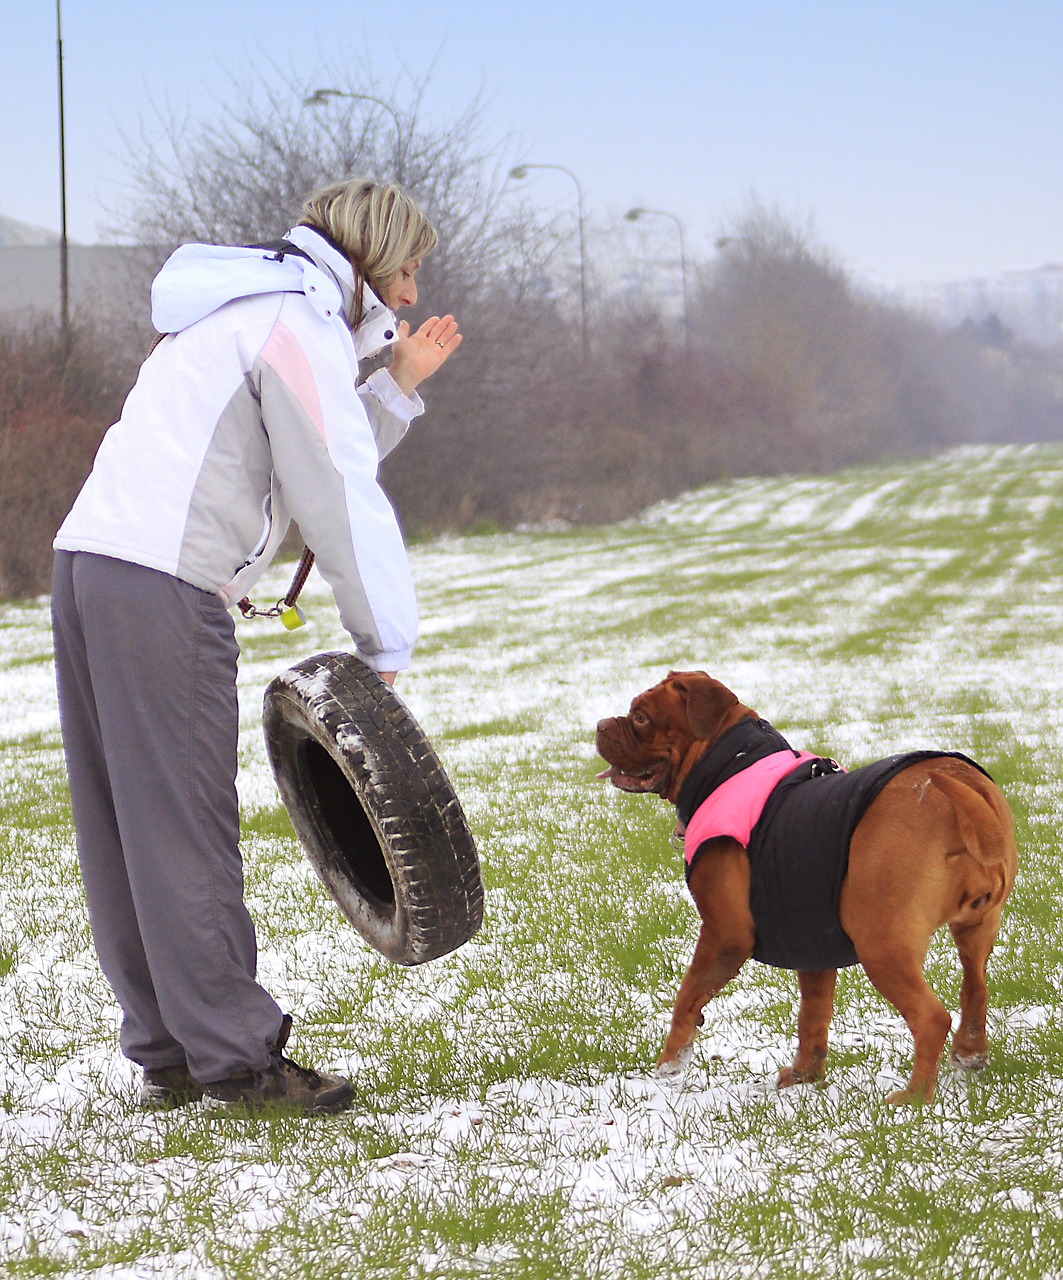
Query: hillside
(13,232)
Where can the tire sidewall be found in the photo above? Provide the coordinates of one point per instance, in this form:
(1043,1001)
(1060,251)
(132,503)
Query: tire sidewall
(382,925)
(388,809)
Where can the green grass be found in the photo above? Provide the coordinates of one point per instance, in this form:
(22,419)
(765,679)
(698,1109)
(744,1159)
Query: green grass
(506,1123)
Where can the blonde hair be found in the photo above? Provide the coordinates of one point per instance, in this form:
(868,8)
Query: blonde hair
(377,226)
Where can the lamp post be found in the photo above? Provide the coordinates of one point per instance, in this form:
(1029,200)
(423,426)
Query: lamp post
(64,266)
(633,215)
(521,171)
(320,98)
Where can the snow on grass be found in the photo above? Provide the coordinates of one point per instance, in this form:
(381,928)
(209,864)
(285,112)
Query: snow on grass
(506,1121)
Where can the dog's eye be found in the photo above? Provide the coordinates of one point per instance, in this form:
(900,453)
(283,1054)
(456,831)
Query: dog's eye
(640,719)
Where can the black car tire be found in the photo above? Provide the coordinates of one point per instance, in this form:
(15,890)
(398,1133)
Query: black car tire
(373,808)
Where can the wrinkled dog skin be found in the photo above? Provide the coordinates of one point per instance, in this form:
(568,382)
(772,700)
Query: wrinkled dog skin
(934,847)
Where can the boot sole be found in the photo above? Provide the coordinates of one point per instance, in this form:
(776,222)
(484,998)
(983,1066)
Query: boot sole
(167,1100)
(251,1108)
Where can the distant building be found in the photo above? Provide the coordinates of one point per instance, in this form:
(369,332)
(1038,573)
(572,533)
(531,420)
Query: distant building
(99,276)
(1029,302)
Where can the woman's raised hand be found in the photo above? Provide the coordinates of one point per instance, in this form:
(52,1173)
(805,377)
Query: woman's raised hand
(418,355)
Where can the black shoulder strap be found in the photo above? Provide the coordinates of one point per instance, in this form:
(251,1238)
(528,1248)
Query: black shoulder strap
(280,248)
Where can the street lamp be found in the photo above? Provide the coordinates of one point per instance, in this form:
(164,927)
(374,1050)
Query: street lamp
(520,172)
(633,215)
(320,98)
(64,271)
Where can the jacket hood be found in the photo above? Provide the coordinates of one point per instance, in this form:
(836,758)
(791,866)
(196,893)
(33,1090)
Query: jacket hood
(197,279)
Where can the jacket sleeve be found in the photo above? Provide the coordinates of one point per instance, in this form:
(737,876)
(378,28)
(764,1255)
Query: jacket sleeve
(325,460)
(389,410)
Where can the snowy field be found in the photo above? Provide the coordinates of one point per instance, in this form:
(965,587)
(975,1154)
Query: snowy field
(506,1121)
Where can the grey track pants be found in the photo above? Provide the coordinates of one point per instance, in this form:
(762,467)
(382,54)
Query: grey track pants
(146,672)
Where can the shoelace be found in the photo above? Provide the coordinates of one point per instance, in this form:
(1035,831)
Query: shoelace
(308,1072)
(287,1064)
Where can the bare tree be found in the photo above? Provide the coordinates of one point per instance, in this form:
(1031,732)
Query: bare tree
(240,177)
(782,314)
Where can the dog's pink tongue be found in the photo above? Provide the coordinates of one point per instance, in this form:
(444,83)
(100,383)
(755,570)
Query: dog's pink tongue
(626,781)
(621,780)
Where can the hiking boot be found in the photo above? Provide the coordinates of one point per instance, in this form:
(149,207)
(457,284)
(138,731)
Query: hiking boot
(283,1086)
(167,1087)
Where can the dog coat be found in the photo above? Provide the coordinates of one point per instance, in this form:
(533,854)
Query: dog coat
(795,814)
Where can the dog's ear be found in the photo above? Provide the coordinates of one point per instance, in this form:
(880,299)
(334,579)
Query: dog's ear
(707,702)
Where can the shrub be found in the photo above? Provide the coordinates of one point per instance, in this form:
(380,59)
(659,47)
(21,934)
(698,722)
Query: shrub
(57,397)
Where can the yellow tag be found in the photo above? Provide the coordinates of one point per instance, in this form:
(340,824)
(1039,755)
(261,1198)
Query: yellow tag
(293,617)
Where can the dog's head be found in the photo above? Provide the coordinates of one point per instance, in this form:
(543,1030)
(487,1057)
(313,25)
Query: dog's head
(668,729)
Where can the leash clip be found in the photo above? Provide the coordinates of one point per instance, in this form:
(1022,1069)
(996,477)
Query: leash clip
(823,766)
(286,609)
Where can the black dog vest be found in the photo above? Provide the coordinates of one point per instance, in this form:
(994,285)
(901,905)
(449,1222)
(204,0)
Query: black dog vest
(796,833)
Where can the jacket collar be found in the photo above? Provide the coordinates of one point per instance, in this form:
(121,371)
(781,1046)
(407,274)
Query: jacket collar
(378,328)
(328,258)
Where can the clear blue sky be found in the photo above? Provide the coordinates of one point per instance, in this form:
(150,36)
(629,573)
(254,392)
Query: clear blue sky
(923,138)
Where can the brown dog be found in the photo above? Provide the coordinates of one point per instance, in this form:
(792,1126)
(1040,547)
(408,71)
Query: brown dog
(926,839)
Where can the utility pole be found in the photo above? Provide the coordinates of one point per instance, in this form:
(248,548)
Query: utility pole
(64,265)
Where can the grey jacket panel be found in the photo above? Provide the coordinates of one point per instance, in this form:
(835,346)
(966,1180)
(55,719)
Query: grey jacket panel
(315,496)
(230,507)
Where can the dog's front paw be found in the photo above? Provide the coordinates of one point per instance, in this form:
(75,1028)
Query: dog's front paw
(674,1068)
(807,1070)
(668,1070)
(909,1097)
(788,1077)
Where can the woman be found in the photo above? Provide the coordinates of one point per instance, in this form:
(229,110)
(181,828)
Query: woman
(256,407)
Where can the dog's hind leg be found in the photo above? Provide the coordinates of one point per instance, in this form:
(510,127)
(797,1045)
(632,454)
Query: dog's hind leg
(813,1025)
(899,977)
(970,1048)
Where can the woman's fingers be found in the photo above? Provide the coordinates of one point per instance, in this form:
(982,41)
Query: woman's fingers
(442,331)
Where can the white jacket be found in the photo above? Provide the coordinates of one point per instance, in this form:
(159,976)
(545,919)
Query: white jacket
(248,415)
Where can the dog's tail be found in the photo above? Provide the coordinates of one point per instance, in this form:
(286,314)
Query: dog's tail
(983,817)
